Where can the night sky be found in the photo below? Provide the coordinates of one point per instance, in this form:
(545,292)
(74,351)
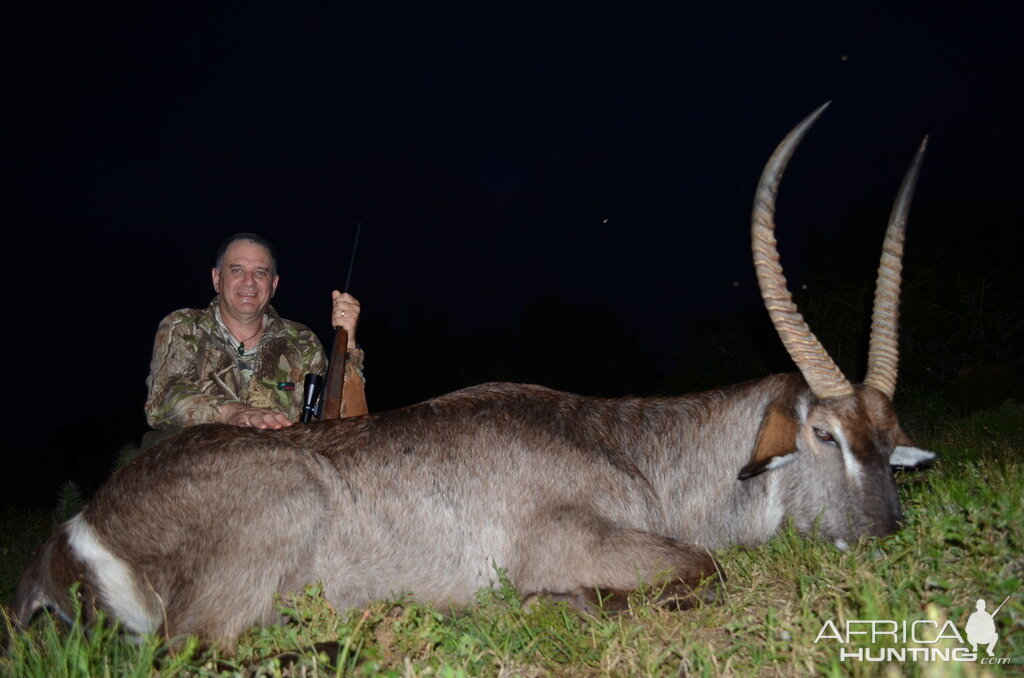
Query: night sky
(601,155)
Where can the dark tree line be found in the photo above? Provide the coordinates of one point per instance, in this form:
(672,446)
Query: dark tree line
(961,326)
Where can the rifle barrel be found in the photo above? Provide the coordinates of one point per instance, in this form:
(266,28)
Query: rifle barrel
(352,259)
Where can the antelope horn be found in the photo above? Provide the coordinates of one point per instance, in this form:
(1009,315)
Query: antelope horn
(821,373)
(883,351)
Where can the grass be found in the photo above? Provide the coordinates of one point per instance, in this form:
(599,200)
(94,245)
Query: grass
(963,540)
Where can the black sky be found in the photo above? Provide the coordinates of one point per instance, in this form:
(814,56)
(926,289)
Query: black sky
(603,154)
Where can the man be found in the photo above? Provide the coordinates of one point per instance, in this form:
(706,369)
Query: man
(237,361)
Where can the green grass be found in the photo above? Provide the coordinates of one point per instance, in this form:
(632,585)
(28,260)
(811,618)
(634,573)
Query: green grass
(963,539)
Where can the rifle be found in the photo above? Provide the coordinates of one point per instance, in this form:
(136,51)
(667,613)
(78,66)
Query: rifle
(323,398)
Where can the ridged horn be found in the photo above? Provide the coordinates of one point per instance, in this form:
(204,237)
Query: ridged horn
(883,351)
(821,373)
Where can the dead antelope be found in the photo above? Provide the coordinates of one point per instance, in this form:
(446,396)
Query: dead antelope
(578,498)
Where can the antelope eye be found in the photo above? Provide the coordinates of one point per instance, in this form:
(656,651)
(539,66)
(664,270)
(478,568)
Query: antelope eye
(823,435)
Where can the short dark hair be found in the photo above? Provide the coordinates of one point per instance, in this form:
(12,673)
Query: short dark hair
(254,238)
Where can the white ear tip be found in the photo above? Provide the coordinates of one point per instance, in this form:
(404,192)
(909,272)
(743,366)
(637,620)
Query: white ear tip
(910,456)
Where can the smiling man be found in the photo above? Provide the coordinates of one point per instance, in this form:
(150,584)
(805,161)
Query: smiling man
(237,361)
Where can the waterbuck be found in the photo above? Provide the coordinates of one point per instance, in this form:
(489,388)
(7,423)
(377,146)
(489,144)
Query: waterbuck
(578,498)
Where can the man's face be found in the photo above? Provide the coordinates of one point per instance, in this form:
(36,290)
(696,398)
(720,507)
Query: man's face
(245,280)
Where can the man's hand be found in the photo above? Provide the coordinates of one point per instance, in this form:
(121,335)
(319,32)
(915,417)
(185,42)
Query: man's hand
(345,313)
(240,414)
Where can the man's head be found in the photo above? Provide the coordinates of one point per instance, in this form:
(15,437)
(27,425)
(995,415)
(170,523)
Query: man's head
(254,238)
(245,275)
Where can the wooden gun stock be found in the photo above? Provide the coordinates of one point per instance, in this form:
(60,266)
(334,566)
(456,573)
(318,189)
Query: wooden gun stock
(335,385)
(338,392)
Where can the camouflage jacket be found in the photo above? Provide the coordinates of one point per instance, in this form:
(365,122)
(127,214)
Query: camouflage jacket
(195,369)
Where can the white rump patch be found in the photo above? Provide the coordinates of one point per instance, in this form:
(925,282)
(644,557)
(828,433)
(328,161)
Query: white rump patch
(910,456)
(116,585)
(841,545)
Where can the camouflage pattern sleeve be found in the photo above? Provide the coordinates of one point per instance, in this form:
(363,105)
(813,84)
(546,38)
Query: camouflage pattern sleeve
(315,357)
(354,367)
(178,393)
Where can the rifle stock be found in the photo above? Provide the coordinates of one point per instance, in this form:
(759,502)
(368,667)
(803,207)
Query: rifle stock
(335,384)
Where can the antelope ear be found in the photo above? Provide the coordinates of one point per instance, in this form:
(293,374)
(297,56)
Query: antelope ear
(908,455)
(776,441)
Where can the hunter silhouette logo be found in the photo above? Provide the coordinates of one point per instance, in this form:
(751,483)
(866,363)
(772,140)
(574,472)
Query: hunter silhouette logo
(928,640)
(981,627)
